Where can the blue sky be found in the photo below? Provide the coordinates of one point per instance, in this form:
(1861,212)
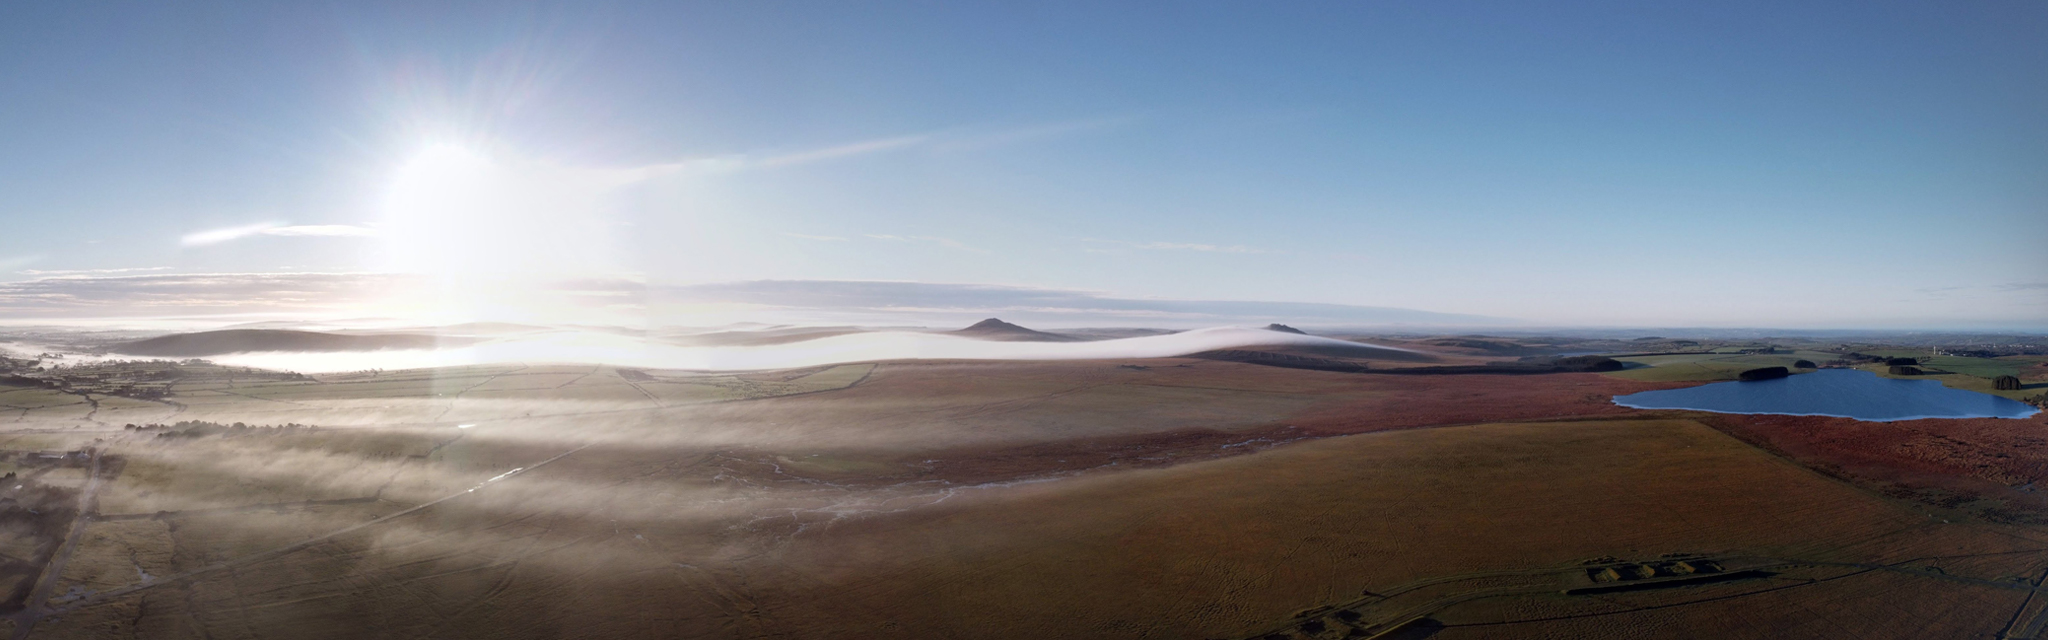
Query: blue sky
(1846,165)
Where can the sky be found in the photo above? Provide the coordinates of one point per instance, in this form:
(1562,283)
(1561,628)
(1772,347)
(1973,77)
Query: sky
(1735,164)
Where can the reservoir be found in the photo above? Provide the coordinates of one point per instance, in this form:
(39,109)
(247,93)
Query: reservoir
(1842,393)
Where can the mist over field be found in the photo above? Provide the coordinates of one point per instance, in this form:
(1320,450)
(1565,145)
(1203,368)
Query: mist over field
(564,348)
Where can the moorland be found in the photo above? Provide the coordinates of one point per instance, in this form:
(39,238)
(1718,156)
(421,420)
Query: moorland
(1486,488)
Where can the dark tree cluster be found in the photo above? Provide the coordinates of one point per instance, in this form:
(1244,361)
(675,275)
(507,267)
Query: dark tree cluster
(1901,370)
(1805,364)
(1590,363)
(2007,383)
(201,428)
(1765,373)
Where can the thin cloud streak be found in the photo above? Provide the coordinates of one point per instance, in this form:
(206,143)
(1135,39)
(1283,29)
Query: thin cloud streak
(1180,246)
(1004,137)
(229,234)
(943,242)
(73,272)
(123,295)
(937,141)
(323,230)
(882,302)
(1187,246)
(807,236)
(843,151)
(217,236)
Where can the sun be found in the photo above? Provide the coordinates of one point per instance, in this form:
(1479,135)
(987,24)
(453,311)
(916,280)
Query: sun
(455,210)
(490,228)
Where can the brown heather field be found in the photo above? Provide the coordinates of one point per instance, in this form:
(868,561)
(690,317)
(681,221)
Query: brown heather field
(1987,467)
(1132,499)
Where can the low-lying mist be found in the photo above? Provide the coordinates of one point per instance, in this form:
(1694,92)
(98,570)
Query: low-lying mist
(590,347)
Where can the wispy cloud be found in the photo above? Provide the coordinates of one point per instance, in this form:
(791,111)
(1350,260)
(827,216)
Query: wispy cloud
(1180,246)
(843,151)
(1189,246)
(934,240)
(73,272)
(807,236)
(742,162)
(217,236)
(969,141)
(102,295)
(916,302)
(944,141)
(322,230)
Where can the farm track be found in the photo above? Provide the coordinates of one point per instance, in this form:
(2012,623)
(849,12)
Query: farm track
(492,378)
(268,506)
(2021,625)
(33,609)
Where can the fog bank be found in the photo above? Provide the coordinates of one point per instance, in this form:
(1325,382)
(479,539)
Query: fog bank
(586,347)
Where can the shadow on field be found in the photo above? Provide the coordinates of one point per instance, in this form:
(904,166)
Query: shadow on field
(1416,630)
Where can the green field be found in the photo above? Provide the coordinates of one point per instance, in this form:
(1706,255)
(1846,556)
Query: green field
(2018,366)
(1708,367)
(1975,374)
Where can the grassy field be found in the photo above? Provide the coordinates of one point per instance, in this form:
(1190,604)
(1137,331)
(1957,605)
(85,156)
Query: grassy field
(1976,374)
(1188,499)
(2019,366)
(1349,516)
(1233,547)
(1708,367)
(449,395)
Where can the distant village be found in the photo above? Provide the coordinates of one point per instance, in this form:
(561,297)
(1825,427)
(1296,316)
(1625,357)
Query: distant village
(139,379)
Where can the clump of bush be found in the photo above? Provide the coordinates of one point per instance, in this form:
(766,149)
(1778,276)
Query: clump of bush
(1901,362)
(1901,370)
(202,428)
(1805,364)
(1565,363)
(1765,373)
(2007,383)
(1591,363)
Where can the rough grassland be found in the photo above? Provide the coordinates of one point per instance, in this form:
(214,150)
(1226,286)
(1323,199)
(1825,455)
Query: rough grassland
(1199,550)
(1222,548)
(1166,499)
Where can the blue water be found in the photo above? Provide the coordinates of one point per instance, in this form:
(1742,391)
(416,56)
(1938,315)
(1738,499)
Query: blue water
(1842,393)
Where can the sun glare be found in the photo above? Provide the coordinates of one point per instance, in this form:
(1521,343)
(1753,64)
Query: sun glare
(487,227)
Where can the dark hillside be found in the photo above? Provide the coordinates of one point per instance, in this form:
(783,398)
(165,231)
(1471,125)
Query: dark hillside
(996,329)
